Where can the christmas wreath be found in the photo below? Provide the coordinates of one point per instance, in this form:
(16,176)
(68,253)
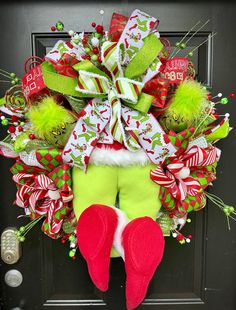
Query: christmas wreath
(114,145)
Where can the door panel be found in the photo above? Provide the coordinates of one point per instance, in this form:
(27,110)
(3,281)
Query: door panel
(196,276)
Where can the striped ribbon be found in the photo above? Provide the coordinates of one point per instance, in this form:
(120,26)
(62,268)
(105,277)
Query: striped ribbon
(39,195)
(177,175)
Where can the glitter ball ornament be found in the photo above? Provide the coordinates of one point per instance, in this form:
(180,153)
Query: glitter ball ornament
(60,26)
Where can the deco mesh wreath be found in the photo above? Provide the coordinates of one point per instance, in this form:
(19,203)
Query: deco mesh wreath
(114,142)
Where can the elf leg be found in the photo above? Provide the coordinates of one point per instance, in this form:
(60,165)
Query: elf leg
(142,238)
(138,194)
(94,192)
(97,186)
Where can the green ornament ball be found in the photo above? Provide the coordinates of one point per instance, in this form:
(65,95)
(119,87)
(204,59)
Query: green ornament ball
(231,209)
(22,229)
(4,122)
(190,54)
(22,239)
(103,40)
(97,35)
(87,50)
(60,26)
(177,44)
(72,238)
(182,45)
(12,75)
(72,253)
(94,57)
(13,82)
(224,100)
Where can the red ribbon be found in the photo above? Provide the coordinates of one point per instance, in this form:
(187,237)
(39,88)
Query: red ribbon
(40,195)
(176,176)
(65,65)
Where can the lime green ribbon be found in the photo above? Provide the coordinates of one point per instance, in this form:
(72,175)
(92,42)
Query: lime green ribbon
(145,57)
(139,64)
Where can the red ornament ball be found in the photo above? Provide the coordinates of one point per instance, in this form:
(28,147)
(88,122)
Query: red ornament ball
(209,96)
(84,40)
(232,95)
(180,237)
(31,136)
(12,129)
(99,29)
(20,128)
(53,28)
(93,24)
(99,58)
(88,57)
(95,50)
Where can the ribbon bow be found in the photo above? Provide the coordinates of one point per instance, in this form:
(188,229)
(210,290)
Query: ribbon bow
(40,196)
(106,118)
(178,177)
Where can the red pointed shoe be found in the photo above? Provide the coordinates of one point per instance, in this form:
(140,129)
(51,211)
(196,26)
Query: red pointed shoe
(143,243)
(95,232)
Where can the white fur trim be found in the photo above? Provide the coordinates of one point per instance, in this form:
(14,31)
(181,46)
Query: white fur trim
(123,158)
(122,222)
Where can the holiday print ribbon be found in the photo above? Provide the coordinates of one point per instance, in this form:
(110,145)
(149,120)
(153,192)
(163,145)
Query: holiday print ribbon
(45,195)
(177,178)
(130,127)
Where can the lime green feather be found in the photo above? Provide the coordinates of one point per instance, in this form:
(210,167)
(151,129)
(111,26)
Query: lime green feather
(51,121)
(187,106)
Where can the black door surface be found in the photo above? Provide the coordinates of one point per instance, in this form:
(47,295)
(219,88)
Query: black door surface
(196,276)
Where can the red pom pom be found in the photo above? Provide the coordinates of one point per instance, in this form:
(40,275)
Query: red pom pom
(20,128)
(88,57)
(53,28)
(99,29)
(95,50)
(93,24)
(12,129)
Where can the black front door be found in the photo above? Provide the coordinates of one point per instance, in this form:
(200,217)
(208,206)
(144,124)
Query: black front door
(200,275)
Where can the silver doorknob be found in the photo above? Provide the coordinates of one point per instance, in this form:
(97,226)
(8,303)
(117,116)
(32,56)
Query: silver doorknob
(13,278)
